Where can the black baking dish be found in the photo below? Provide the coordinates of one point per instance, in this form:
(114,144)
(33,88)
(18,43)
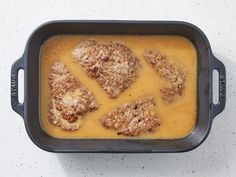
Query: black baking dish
(29,110)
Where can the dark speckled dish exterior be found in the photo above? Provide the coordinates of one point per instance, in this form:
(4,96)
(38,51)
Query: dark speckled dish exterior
(30,63)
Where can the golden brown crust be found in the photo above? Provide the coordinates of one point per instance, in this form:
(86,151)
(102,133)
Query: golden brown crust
(169,72)
(69,100)
(133,119)
(55,118)
(112,65)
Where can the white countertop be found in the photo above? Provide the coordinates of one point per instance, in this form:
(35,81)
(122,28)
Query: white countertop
(216,157)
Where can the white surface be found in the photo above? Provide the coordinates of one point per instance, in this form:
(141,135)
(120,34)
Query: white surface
(20,157)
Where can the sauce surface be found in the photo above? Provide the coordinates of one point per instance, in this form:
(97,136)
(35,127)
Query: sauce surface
(177,118)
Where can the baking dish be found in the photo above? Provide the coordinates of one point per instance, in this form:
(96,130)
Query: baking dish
(206,109)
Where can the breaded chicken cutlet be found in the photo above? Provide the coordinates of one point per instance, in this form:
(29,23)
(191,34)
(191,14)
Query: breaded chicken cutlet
(69,99)
(175,76)
(133,119)
(113,65)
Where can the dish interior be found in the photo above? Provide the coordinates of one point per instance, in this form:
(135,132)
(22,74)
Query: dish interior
(177,119)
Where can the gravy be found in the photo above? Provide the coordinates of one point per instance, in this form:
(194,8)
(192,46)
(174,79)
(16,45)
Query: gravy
(177,118)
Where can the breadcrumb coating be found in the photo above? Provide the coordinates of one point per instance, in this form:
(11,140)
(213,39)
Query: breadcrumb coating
(69,99)
(175,76)
(133,119)
(113,65)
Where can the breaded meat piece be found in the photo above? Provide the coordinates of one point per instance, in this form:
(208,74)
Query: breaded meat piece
(175,76)
(56,119)
(112,65)
(133,119)
(69,99)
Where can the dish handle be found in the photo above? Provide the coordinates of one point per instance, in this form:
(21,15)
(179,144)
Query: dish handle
(219,107)
(15,104)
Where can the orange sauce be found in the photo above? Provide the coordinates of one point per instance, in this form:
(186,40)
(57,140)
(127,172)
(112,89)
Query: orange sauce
(177,118)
